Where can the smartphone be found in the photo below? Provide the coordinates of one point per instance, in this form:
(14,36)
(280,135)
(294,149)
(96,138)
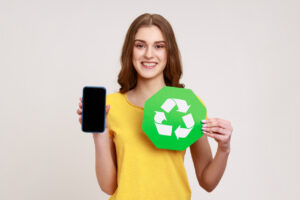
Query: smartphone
(93,109)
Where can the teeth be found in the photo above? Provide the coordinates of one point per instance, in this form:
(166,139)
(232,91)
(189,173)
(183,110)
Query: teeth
(149,64)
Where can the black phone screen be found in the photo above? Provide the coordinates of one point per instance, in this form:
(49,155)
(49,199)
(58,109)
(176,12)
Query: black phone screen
(93,109)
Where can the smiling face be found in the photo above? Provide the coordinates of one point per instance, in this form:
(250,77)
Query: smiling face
(149,52)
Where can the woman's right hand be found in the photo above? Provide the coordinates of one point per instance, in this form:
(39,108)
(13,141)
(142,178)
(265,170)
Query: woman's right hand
(79,112)
(105,154)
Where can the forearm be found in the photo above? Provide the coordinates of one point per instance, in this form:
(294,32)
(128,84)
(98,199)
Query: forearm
(105,165)
(213,173)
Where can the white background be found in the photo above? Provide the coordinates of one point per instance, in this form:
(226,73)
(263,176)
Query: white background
(240,57)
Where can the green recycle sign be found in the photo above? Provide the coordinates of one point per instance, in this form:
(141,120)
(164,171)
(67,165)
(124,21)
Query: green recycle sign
(172,118)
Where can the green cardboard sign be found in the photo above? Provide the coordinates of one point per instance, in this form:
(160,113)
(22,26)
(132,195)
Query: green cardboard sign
(172,118)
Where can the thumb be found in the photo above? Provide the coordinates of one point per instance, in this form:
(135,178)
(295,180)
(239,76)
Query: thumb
(107,109)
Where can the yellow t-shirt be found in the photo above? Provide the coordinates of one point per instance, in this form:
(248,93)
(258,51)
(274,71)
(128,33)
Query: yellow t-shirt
(144,171)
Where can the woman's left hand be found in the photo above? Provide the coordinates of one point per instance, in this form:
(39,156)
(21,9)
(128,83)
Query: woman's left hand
(220,130)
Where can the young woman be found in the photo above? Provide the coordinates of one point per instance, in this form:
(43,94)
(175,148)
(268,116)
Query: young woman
(128,165)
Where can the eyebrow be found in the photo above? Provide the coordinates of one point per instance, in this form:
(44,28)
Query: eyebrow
(138,40)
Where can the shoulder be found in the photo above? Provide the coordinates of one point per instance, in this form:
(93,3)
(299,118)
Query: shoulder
(114,98)
(114,95)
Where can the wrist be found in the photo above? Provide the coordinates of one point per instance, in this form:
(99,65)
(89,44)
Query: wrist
(224,149)
(102,134)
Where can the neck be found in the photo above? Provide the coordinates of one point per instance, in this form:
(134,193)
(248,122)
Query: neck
(145,88)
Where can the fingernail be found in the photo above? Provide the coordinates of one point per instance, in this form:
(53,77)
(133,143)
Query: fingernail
(205,125)
(203,121)
(204,132)
(204,128)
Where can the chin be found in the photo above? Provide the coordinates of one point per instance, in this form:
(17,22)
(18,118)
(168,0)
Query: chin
(150,74)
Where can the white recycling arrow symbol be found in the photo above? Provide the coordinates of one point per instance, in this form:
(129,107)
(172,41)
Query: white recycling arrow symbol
(167,106)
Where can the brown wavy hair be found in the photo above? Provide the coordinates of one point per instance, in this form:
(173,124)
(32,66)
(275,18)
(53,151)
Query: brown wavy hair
(127,78)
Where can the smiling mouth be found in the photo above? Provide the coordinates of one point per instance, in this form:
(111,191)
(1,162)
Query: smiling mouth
(149,65)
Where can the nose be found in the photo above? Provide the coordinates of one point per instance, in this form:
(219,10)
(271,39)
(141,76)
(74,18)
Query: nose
(149,53)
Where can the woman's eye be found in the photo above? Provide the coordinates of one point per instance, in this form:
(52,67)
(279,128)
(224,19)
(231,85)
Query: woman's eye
(159,46)
(139,45)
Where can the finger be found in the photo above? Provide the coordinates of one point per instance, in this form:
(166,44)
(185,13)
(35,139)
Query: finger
(80,104)
(215,136)
(207,120)
(80,119)
(79,111)
(219,137)
(107,109)
(223,121)
(216,123)
(80,98)
(215,119)
(216,130)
